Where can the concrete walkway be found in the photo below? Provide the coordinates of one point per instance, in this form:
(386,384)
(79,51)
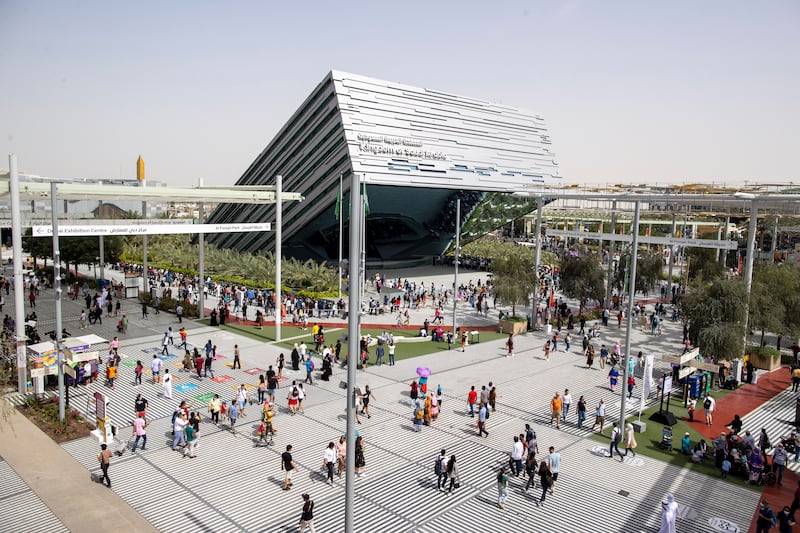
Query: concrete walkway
(53,475)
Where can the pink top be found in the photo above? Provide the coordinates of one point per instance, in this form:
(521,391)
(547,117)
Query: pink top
(138,425)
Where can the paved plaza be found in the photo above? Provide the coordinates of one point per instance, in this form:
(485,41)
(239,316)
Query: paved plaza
(232,485)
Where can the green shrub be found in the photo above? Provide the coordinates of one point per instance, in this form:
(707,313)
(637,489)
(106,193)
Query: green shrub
(763,351)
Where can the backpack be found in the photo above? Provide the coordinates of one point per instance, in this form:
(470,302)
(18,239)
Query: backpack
(295,393)
(437,466)
(419,414)
(707,403)
(487,414)
(311,365)
(618,436)
(174,416)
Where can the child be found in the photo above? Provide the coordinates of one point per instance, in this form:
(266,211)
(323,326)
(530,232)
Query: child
(692,404)
(726,467)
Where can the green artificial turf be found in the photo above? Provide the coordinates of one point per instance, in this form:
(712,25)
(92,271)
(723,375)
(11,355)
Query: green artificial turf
(403,350)
(649,442)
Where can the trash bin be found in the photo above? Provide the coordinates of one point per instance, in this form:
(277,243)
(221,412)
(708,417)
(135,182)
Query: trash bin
(548,329)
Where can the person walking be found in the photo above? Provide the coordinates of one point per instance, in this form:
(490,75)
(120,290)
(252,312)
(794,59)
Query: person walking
(307,516)
(137,374)
(167,385)
(183,334)
(669,514)
(309,364)
(546,350)
(581,411)
(616,438)
(600,415)
(709,404)
(779,458)
(472,397)
(566,401)
(517,453)
(191,441)
(139,428)
(440,469)
(105,460)
(214,407)
(546,482)
(764,522)
(233,416)
(360,461)
(555,409)
(288,466)
(365,401)
(630,440)
(207,366)
(502,488)
(510,345)
(483,414)
(452,473)
(341,455)
(179,423)
(236,360)
(165,344)
(328,460)
(553,467)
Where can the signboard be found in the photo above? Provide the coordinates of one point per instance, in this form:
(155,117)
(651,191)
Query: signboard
(81,357)
(647,380)
(667,384)
(83,230)
(681,359)
(68,370)
(100,402)
(49,370)
(685,372)
(644,239)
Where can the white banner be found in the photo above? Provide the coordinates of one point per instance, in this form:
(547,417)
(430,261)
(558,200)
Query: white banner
(643,239)
(83,230)
(647,380)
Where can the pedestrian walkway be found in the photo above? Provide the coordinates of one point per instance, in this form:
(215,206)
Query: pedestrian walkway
(42,488)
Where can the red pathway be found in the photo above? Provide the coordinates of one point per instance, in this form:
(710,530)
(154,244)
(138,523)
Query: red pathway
(741,401)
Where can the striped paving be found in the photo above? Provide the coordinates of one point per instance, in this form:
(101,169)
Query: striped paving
(233,485)
(21,510)
(777,417)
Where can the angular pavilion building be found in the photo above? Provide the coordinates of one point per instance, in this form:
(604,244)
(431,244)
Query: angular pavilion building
(418,150)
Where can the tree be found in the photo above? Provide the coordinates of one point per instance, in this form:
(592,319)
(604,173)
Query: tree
(703,265)
(649,267)
(716,318)
(774,300)
(582,277)
(513,278)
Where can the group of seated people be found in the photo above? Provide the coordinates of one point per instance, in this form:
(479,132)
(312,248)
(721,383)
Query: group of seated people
(734,453)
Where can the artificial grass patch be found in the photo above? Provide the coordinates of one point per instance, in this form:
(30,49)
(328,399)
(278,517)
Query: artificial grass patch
(649,441)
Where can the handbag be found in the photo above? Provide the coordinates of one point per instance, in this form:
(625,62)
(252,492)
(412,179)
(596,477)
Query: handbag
(457,484)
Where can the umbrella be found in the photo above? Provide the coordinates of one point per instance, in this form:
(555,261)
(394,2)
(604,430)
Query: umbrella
(423,371)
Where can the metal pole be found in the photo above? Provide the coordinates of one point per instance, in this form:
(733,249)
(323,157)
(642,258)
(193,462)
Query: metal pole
(455,275)
(727,237)
(353,329)
(57,283)
(19,290)
(535,303)
(671,260)
(278,252)
(774,238)
(201,249)
(101,247)
(363,247)
(146,276)
(629,321)
(339,200)
(611,253)
(748,269)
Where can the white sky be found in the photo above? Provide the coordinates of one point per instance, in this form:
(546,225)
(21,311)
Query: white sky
(633,92)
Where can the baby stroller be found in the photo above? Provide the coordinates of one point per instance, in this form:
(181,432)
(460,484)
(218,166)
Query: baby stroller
(767,477)
(666,438)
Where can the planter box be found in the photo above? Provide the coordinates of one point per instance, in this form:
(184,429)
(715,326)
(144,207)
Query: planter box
(767,362)
(507,326)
